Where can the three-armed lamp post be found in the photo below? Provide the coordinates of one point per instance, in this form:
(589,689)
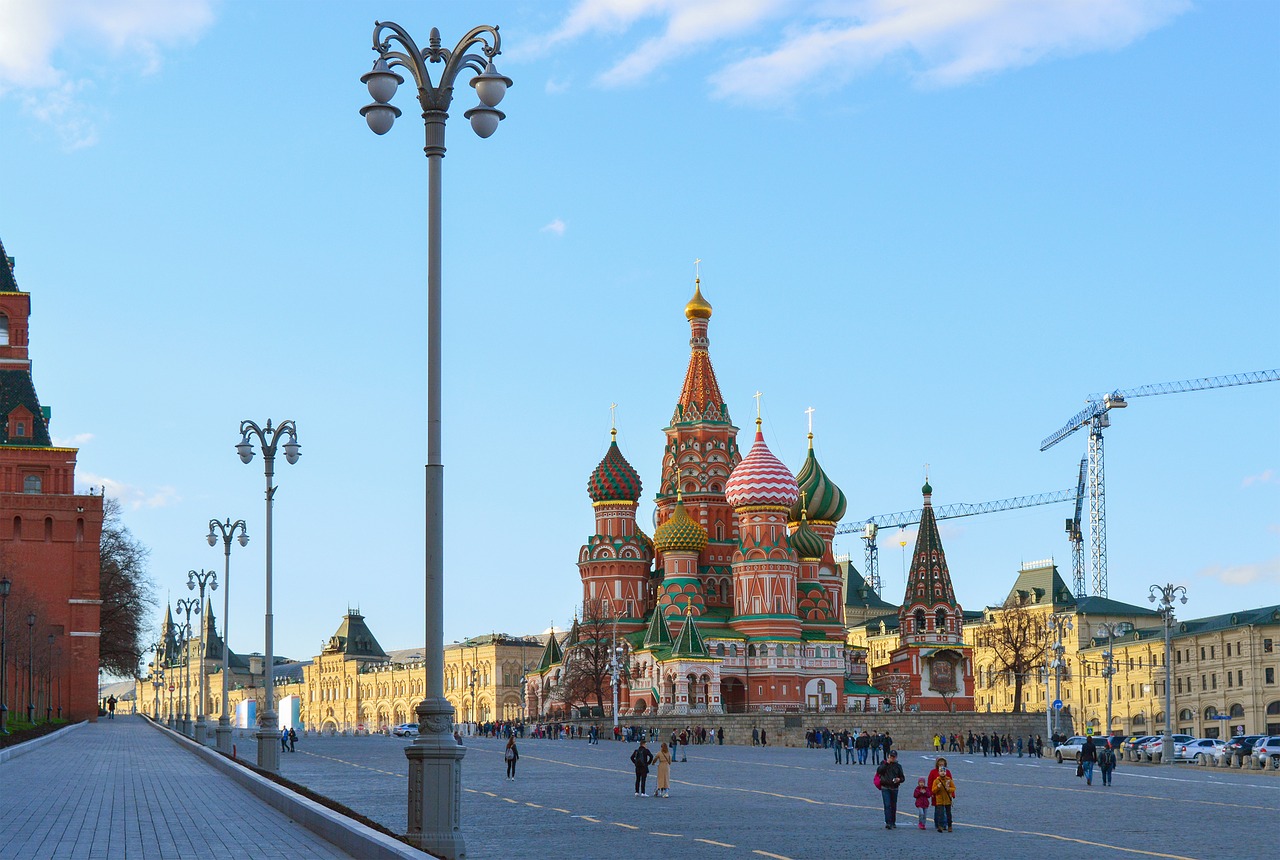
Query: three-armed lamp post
(268,438)
(1166,595)
(435,776)
(228,531)
(190,606)
(203,579)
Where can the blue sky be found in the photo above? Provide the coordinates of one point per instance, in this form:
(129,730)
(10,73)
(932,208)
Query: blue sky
(941,225)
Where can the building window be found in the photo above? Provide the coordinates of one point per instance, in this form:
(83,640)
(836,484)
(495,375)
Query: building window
(1228,649)
(1266,646)
(1239,674)
(31,483)
(1270,675)
(4,330)
(1179,686)
(1179,658)
(20,429)
(1210,652)
(1214,679)
(1201,652)
(1229,680)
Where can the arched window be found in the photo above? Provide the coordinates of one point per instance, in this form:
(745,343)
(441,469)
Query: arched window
(31,484)
(940,623)
(919,621)
(751,650)
(1273,709)
(1210,712)
(1237,711)
(1186,715)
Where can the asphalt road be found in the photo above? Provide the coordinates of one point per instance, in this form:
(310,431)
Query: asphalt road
(575,800)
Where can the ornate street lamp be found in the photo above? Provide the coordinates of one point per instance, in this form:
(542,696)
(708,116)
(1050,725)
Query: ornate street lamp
(435,775)
(1166,595)
(1110,630)
(31,705)
(1061,625)
(202,579)
(187,606)
(227,531)
(269,438)
(5,585)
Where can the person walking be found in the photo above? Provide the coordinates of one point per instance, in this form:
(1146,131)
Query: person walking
(942,787)
(1107,763)
(641,758)
(284,740)
(293,740)
(664,773)
(755,736)
(1088,757)
(875,749)
(764,737)
(891,778)
(511,755)
(863,744)
(111,707)
(923,799)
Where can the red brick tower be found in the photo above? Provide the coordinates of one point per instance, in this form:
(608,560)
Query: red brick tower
(49,536)
(701,452)
(616,560)
(932,665)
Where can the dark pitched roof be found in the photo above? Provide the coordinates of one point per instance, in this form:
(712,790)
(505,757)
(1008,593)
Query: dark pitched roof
(857,593)
(1038,584)
(689,642)
(8,283)
(928,580)
(1107,606)
(17,389)
(657,635)
(354,639)
(551,655)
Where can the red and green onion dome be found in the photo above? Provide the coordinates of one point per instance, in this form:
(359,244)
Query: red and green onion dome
(680,533)
(761,479)
(614,480)
(806,542)
(824,500)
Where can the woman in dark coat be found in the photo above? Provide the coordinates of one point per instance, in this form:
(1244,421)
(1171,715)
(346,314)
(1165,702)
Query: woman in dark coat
(511,755)
(641,758)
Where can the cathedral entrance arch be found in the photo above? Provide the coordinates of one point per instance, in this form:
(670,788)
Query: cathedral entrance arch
(733,695)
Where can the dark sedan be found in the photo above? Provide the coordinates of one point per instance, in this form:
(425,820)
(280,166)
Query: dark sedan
(1241,744)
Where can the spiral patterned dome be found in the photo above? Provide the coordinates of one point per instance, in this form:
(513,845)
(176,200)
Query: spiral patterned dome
(820,495)
(806,542)
(680,533)
(761,479)
(614,480)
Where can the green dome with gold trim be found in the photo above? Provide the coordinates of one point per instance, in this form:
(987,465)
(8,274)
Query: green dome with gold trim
(824,500)
(680,533)
(806,542)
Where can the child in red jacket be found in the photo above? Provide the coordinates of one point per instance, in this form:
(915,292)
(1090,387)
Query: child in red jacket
(922,796)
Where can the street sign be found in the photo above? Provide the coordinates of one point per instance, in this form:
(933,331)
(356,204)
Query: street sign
(1220,717)
(1057,704)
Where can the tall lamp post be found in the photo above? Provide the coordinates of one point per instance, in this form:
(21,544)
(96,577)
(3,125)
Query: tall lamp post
(435,775)
(615,667)
(202,579)
(269,438)
(48,685)
(227,531)
(1061,626)
(1110,630)
(157,681)
(187,606)
(1167,595)
(5,585)
(31,705)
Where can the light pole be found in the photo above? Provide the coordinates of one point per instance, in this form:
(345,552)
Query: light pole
(1166,595)
(5,585)
(157,681)
(187,606)
(201,579)
(31,705)
(227,531)
(268,438)
(48,685)
(1061,625)
(615,655)
(1110,630)
(435,775)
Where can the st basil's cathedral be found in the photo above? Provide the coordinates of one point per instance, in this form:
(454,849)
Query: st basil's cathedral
(736,603)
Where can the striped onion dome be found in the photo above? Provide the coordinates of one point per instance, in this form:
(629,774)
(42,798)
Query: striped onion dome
(806,542)
(761,479)
(680,533)
(614,480)
(821,496)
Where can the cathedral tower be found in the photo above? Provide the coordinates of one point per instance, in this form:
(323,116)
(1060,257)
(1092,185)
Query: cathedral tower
(615,561)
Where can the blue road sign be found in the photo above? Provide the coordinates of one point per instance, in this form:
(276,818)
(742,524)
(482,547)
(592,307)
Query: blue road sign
(1057,704)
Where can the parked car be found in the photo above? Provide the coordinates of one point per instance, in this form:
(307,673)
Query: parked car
(1198,749)
(1135,743)
(405,730)
(1266,751)
(1156,744)
(1069,748)
(1242,745)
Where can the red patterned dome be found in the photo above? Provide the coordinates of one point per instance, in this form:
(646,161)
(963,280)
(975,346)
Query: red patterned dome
(614,480)
(761,479)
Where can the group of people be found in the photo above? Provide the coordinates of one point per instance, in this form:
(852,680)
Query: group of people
(641,758)
(288,740)
(851,747)
(1091,755)
(938,790)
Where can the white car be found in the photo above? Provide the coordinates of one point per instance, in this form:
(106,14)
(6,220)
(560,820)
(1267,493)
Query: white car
(1266,751)
(1156,744)
(1198,750)
(1069,749)
(405,730)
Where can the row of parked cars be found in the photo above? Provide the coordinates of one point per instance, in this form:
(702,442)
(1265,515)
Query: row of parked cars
(1265,749)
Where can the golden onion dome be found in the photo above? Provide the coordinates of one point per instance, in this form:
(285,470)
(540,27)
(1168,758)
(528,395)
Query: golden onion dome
(698,307)
(680,533)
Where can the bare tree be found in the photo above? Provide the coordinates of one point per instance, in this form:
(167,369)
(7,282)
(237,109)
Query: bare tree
(127,594)
(1018,638)
(587,667)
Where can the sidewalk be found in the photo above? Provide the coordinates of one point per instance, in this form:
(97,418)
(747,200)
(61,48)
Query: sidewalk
(120,789)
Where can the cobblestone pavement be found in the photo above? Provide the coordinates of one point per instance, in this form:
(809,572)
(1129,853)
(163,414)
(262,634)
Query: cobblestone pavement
(121,789)
(576,800)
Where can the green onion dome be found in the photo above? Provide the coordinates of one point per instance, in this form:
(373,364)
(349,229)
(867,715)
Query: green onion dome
(818,493)
(614,480)
(806,542)
(680,533)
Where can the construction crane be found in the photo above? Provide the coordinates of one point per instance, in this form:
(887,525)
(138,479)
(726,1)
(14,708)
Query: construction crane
(1076,537)
(870,526)
(1095,416)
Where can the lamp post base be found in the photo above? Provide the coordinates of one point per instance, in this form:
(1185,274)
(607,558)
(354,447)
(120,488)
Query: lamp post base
(224,735)
(435,783)
(200,729)
(269,742)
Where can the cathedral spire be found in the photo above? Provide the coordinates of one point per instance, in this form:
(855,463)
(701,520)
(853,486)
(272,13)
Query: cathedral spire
(929,605)
(700,398)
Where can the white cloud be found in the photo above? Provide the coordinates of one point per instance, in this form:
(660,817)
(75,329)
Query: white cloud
(129,495)
(1267,476)
(1264,572)
(555,87)
(554,226)
(828,42)
(75,441)
(37,34)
